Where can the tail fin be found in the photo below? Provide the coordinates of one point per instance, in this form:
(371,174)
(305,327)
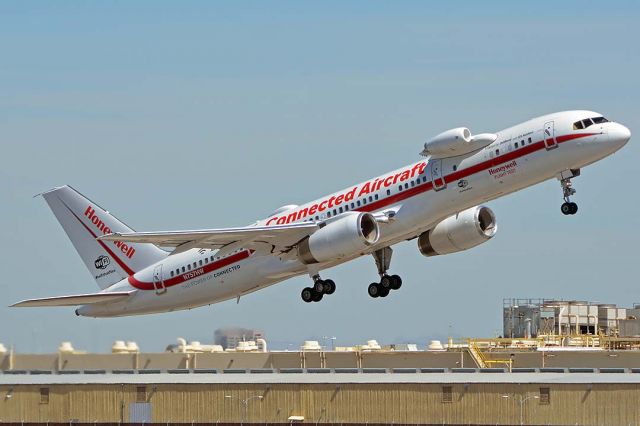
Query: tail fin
(83,221)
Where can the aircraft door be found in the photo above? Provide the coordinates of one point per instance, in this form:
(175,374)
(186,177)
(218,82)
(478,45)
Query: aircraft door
(548,135)
(436,174)
(158,281)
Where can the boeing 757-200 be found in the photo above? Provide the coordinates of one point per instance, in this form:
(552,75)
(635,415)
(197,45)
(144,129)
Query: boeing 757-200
(436,200)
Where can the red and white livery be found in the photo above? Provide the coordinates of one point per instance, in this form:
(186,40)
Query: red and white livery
(436,200)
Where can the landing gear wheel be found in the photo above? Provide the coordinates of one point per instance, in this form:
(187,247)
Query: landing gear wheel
(329,287)
(317,296)
(396,282)
(307,294)
(569,208)
(373,290)
(318,286)
(384,292)
(574,208)
(385,282)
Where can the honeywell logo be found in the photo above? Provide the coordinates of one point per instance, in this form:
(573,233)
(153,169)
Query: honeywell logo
(503,168)
(126,249)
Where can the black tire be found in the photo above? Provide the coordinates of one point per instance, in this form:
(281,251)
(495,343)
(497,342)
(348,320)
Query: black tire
(318,286)
(385,282)
(317,296)
(307,294)
(566,209)
(574,208)
(329,287)
(374,290)
(384,292)
(396,282)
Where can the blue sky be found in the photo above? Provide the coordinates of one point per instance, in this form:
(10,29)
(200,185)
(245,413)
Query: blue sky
(209,114)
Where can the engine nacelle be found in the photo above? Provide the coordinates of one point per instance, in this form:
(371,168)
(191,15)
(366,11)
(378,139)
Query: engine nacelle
(459,232)
(455,142)
(345,236)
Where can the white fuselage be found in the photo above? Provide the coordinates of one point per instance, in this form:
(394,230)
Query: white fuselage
(420,195)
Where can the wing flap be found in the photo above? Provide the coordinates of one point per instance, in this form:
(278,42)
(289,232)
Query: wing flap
(281,236)
(73,299)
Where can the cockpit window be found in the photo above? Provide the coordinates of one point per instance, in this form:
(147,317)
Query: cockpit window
(583,124)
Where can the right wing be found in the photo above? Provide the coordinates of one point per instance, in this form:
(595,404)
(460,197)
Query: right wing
(277,238)
(73,300)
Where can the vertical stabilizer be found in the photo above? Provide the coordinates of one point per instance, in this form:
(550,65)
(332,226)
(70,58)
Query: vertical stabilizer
(84,221)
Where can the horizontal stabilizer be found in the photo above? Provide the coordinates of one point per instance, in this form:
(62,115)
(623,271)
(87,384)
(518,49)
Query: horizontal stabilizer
(73,299)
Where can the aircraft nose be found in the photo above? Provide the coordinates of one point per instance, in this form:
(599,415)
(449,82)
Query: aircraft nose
(619,134)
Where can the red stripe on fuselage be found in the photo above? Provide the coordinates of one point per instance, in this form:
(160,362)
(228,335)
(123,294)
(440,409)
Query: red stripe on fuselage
(477,168)
(186,276)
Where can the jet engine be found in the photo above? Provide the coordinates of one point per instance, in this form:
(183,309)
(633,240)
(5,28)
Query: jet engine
(345,236)
(455,142)
(459,232)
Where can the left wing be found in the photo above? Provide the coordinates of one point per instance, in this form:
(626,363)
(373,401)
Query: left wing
(277,238)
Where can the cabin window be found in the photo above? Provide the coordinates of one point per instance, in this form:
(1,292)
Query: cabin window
(171,273)
(497,152)
(424,178)
(206,260)
(388,192)
(529,140)
(340,210)
(455,167)
(515,145)
(183,269)
(200,263)
(328,214)
(364,201)
(413,183)
(189,267)
(400,188)
(194,265)
(358,202)
(352,206)
(370,198)
(406,186)
(376,196)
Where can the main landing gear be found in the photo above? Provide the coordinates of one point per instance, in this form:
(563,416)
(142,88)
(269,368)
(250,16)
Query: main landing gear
(319,289)
(568,207)
(387,282)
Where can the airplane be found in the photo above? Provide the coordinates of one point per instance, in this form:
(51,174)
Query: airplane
(436,200)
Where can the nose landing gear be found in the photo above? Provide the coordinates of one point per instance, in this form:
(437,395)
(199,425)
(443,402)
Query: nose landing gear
(568,207)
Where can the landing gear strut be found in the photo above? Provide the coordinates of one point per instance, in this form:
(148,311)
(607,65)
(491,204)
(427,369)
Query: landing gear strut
(319,289)
(387,282)
(568,207)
